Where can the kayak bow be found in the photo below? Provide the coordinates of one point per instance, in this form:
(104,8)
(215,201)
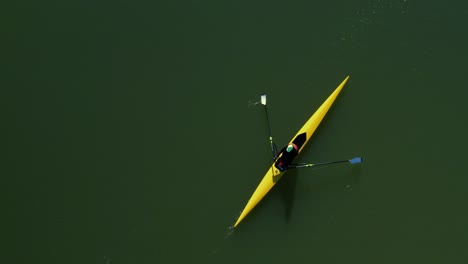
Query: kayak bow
(300,139)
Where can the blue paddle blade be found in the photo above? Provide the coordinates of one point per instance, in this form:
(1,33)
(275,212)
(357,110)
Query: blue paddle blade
(355,160)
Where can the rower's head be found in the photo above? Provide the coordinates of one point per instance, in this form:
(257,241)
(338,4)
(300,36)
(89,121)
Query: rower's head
(289,148)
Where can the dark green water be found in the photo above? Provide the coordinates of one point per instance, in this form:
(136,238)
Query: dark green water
(127,135)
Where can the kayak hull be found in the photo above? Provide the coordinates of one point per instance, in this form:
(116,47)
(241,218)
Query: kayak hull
(300,139)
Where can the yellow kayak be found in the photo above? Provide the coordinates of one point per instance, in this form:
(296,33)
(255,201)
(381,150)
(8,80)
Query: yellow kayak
(300,139)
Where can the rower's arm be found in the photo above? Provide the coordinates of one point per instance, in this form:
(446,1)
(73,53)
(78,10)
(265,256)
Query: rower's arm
(276,156)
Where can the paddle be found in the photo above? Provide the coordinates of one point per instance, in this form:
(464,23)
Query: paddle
(274,150)
(303,165)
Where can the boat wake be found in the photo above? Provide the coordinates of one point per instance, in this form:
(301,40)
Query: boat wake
(229,232)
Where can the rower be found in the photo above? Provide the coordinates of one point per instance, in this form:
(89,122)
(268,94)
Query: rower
(286,156)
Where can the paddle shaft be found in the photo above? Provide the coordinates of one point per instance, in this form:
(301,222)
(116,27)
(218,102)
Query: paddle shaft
(317,164)
(274,150)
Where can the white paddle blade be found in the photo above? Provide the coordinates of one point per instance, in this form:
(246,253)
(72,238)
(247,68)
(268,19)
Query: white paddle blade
(263,99)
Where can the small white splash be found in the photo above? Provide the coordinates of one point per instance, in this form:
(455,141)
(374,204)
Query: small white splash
(348,188)
(107,260)
(251,104)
